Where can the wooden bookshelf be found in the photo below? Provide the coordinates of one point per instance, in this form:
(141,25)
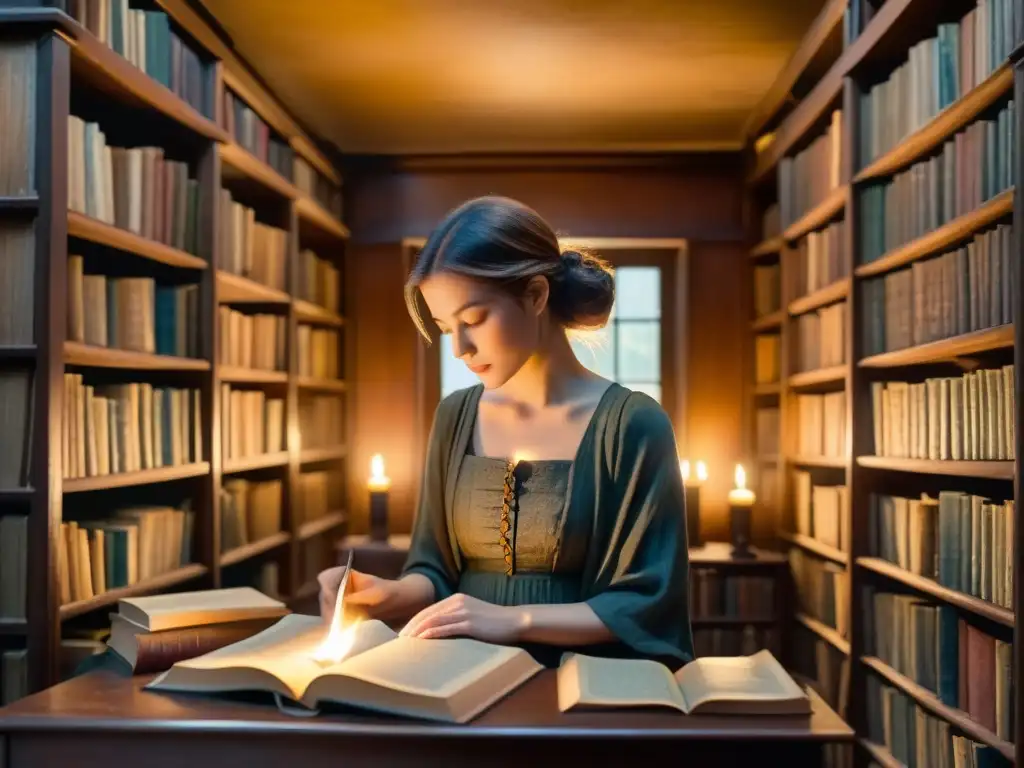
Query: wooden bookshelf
(865,62)
(71,68)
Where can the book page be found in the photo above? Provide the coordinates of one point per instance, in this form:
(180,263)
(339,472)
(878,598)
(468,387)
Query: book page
(742,678)
(589,681)
(435,668)
(284,652)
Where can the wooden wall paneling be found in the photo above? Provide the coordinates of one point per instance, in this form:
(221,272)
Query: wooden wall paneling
(209,526)
(53,76)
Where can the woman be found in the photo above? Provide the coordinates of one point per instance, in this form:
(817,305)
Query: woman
(551,513)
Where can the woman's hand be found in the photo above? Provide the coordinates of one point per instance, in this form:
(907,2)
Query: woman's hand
(464,616)
(364,592)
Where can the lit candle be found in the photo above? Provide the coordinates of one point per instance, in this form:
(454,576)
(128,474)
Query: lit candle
(741,500)
(379,484)
(691,487)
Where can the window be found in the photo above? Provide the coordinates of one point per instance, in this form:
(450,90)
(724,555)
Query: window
(627,350)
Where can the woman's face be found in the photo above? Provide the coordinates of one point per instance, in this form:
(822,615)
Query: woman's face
(493,332)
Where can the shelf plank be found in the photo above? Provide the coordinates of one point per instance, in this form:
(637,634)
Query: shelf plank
(142,477)
(836,462)
(314,455)
(818,216)
(946,236)
(975,605)
(11,352)
(248,551)
(19,203)
(321,525)
(761,390)
(931,702)
(248,463)
(105,357)
(238,375)
(13,626)
(310,210)
(944,350)
(732,621)
(991,470)
(825,632)
(109,72)
(880,754)
(817,547)
(719,554)
(830,294)
(767,322)
(768,247)
(768,458)
(247,164)
(155,584)
(235,289)
(817,378)
(952,119)
(308,312)
(322,385)
(96,231)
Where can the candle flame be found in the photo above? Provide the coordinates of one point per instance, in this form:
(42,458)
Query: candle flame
(702,471)
(377,467)
(684,468)
(741,477)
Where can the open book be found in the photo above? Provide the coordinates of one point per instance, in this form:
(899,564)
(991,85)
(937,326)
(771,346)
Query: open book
(741,685)
(451,680)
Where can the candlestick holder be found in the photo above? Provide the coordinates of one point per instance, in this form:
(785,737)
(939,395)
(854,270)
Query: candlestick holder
(378,515)
(693,516)
(739,524)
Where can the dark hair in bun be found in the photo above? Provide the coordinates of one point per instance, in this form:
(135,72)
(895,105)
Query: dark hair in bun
(500,239)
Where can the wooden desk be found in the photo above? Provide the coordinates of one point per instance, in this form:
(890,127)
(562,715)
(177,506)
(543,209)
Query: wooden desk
(105,717)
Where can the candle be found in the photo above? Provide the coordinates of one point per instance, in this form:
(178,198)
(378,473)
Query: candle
(691,488)
(741,500)
(378,484)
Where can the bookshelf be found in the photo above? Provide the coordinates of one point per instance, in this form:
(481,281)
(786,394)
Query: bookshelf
(883,205)
(172,328)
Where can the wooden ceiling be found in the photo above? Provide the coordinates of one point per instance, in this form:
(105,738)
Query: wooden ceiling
(444,76)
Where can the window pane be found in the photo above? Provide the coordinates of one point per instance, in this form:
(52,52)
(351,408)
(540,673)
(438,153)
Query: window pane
(654,390)
(638,293)
(454,373)
(639,351)
(596,350)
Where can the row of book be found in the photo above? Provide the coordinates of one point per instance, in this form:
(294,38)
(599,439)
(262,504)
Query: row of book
(807,178)
(250,248)
(251,132)
(112,428)
(13,675)
(252,423)
(321,420)
(822,589)
(146,40)
(820,258)
(767,347)
(945,654)
(318,187)
(318,281)
(13,566)
(856,17)
(715,594)
(250,511)
(822,422)
(735,641)
(138,189)
(17,394)
(918,739)
(129,545)
(766,431)
(319,352)
(938,71)
(257,341)
(822,663)
(969,289)
(821,338)
(320,493)
(960,540)
(132,313)
(972,167)
(950,418)
(767,289)
(820,512)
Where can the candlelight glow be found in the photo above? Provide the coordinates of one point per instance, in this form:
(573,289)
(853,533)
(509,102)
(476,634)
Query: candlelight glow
(378,480)
(741,477)
(520,456)
(702,471)
(684,468)
(338,642)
